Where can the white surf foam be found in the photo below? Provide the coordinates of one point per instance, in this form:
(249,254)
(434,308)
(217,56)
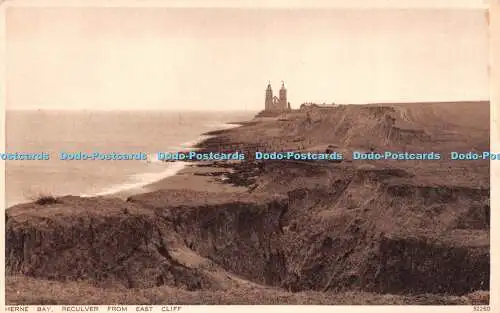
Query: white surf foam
(141,180)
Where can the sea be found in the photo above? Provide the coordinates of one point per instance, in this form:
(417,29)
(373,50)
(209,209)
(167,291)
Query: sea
(100,131)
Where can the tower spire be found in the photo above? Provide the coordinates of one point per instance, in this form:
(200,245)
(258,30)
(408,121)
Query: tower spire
(283,103)
(269,97)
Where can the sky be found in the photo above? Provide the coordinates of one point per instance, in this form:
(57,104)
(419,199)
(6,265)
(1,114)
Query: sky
(222,58)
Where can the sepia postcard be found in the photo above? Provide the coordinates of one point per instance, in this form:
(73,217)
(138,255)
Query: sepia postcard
(165,154)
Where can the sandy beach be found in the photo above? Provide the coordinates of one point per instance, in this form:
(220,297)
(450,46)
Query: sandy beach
(193,177)
(199,176)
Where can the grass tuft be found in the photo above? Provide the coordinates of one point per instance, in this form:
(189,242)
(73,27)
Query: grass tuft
(47,200)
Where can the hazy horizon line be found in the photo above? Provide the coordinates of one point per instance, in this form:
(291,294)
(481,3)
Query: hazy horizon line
(235,110)
(128,110)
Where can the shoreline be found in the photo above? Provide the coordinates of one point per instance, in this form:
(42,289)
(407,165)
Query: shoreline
(316,227)
(186,176)
(165,180)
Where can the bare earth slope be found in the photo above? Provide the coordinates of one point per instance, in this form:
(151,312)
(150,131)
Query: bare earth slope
(304,231)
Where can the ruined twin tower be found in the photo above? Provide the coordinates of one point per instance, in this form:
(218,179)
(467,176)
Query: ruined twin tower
(275,104)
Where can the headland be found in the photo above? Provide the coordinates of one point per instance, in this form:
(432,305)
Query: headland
(343,231)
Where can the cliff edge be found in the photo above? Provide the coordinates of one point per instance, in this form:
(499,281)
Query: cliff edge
(318,232)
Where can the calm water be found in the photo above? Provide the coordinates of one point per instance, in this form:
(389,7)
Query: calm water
(89,131)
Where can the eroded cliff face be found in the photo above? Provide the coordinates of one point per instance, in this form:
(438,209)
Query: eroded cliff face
(388,227)
(380,230)
(355,232)
(140,245)
(243,235)
(108,241)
